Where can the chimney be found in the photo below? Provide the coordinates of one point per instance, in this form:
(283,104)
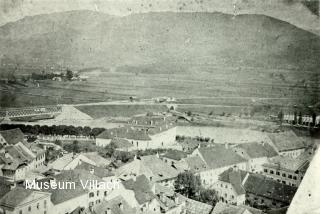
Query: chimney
(121,206)
(92,170)
(108,211)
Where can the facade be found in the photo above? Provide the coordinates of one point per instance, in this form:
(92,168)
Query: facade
(286,170)
(217,158)
(20,201)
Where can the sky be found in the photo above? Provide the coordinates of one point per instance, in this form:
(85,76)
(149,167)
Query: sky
(292,11)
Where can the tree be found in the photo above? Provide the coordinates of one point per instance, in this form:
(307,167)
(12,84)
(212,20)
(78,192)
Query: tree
(69,74)
(208,196)
(188,184)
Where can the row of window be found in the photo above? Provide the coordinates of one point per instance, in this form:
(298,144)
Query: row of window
(294,177)
(37,207)
(91,194)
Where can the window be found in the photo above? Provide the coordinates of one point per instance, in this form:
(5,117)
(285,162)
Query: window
(232,196)
(290,176)
(29,208)
(294,177)
(271,172)
(105,193)
(91,194)
(45,212)
(98,193)
(38,205)
(265,170)
(278,173)
(284,175)
(284,182)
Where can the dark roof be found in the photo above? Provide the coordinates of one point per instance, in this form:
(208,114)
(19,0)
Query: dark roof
(114,206)
(175,154)
(5,187)
(121,143)
(98,171)
(235,178)
(218,156)
(195,207)
(266,187)
(256,150)
(141,187)
(125,132)
(286,141)
(195,164)
(14,197)
(223,208)
(12,136)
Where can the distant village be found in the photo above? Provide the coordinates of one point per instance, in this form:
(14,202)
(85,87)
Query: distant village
(149,165)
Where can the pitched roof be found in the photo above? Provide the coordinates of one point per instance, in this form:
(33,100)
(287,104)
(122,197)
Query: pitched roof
(98,171)
(218,156)
(195,207)
(151,166)
(5,187)
(195,164)
(121,143)
(61,162)
(286,141)
(288,163)
(235,178)
(175,154)
(95,157)
(15,197)
(266,187)
(256,150)
(114,206)
(12,136)
(126,133)
(223,208)
(141,188)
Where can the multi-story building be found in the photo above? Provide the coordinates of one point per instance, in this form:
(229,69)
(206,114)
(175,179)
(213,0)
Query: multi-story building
(20,201)
(256,154)
(218,158)
(286,170)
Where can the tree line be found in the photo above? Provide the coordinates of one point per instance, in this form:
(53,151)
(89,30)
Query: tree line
(54,129)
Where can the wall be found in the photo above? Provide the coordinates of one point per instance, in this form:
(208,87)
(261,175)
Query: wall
(293,153)
(227,193)
(70,205)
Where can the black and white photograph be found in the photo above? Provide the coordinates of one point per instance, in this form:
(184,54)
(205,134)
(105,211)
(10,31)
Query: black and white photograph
(159,106)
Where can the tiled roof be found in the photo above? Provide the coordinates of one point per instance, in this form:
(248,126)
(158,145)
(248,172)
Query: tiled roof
(286,141)
(12,136)
(287,163)
(175,154)
(95,157)
(266,187)
(223,208)
(5,187)
(121,143)
(235,178)
(61,162)
(195,164)
(151,166)
(19,154)
(98,171)
(141,187)
(256,150)
(114,206)
(195,207)
(126,133)
(218,156)
(15,197)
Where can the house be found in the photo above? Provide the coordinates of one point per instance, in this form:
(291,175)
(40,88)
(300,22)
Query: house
(194,164)
(223,208)
(287,143)
(168,200)
(117,205)
(265,193)
(152,167)
(20,200)
(139,192)
(76,188)
(256,154)
(172,157)
(122,144)
(143,133)
(71,161)
(230,186)
(20,158)
(218,158)
(194,207)
(11,137)
(286,170)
